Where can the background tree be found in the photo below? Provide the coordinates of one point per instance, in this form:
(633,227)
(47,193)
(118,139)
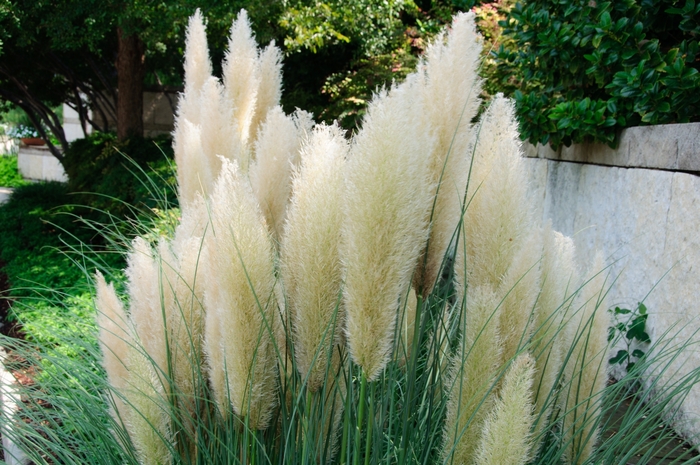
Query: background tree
(101,55)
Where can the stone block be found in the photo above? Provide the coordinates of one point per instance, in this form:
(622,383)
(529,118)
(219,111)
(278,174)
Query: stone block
(38,163)
(52,170)
(689,147)
(598,154)
(654,146)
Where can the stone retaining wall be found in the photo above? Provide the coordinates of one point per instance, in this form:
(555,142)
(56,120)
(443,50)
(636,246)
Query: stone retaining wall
(640,205)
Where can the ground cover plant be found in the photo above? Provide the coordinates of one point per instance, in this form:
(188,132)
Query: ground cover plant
(9,174)
(387,299)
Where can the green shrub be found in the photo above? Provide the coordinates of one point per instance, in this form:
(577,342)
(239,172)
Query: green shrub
(587,69)
(9,174)
(117,176)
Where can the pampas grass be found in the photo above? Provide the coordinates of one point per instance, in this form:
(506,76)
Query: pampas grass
(387,197)
(387,299)
(238,265)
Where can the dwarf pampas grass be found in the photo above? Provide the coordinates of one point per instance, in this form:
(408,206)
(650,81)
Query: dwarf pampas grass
(238,265)
(451,96)
(506,433)
(586,369)
(310,260)
(315,270)
(388,195)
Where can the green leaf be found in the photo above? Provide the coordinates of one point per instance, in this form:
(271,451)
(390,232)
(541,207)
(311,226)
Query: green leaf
(605,21)
(619,359)
(596,40)
(637,353)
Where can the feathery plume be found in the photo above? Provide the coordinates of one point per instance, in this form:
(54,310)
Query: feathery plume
(145,305)
(219,137)
(519,289)
(194,173)
(310,260)
(497,217)
(241,77)
(586,369)
(506,438)
(550,314)
(182,294)
(238,265)
(197,68)
(451,97)
(475,366)
(270,87)
(149,420)
(116,340)
(276,156)
(387,200)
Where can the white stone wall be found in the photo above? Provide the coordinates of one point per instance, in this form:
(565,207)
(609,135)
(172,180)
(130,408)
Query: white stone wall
(71,124)
(37,163)
(646,221)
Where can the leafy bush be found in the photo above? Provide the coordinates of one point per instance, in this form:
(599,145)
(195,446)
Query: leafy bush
(120,177)
(587,69)
(9,174)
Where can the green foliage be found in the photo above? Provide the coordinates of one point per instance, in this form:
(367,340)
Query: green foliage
(633,333)
(116,177)
(316,24)
(587,69)
(9,174)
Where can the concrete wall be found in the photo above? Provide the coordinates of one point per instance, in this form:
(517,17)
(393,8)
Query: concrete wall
(635,205)
(37,163)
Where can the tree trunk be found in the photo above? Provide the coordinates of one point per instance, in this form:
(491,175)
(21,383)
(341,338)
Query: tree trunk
(130,73)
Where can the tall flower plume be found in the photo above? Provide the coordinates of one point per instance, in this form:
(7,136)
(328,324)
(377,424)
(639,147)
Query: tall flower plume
(310,260)
(451,96)
(387,199)
(238,266)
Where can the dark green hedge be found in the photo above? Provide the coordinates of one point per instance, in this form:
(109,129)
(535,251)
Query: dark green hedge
(587,68)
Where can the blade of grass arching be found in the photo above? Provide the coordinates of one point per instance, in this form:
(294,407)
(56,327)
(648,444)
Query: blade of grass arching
(653,404)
